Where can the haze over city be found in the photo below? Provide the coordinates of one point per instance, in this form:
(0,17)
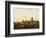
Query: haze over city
(20,14)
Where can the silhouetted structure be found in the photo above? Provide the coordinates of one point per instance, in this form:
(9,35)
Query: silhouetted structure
(26,24)
(32,19)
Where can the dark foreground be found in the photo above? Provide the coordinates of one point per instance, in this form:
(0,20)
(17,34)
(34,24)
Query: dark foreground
(26,25)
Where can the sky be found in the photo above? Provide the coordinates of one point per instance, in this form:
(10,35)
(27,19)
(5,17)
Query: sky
(20,14)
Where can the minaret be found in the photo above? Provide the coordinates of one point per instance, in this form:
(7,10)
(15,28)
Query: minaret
(32,19)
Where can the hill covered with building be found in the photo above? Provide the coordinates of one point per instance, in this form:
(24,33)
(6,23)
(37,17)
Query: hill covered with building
(26,24)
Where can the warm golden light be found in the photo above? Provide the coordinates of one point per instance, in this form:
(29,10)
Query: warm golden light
(20,14)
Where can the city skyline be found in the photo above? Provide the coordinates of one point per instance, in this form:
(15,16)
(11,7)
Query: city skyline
(20,14)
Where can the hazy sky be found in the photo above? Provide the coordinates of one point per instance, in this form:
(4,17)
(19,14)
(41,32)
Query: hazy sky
(20,14)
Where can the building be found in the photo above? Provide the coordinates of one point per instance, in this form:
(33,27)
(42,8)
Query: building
(32,19)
